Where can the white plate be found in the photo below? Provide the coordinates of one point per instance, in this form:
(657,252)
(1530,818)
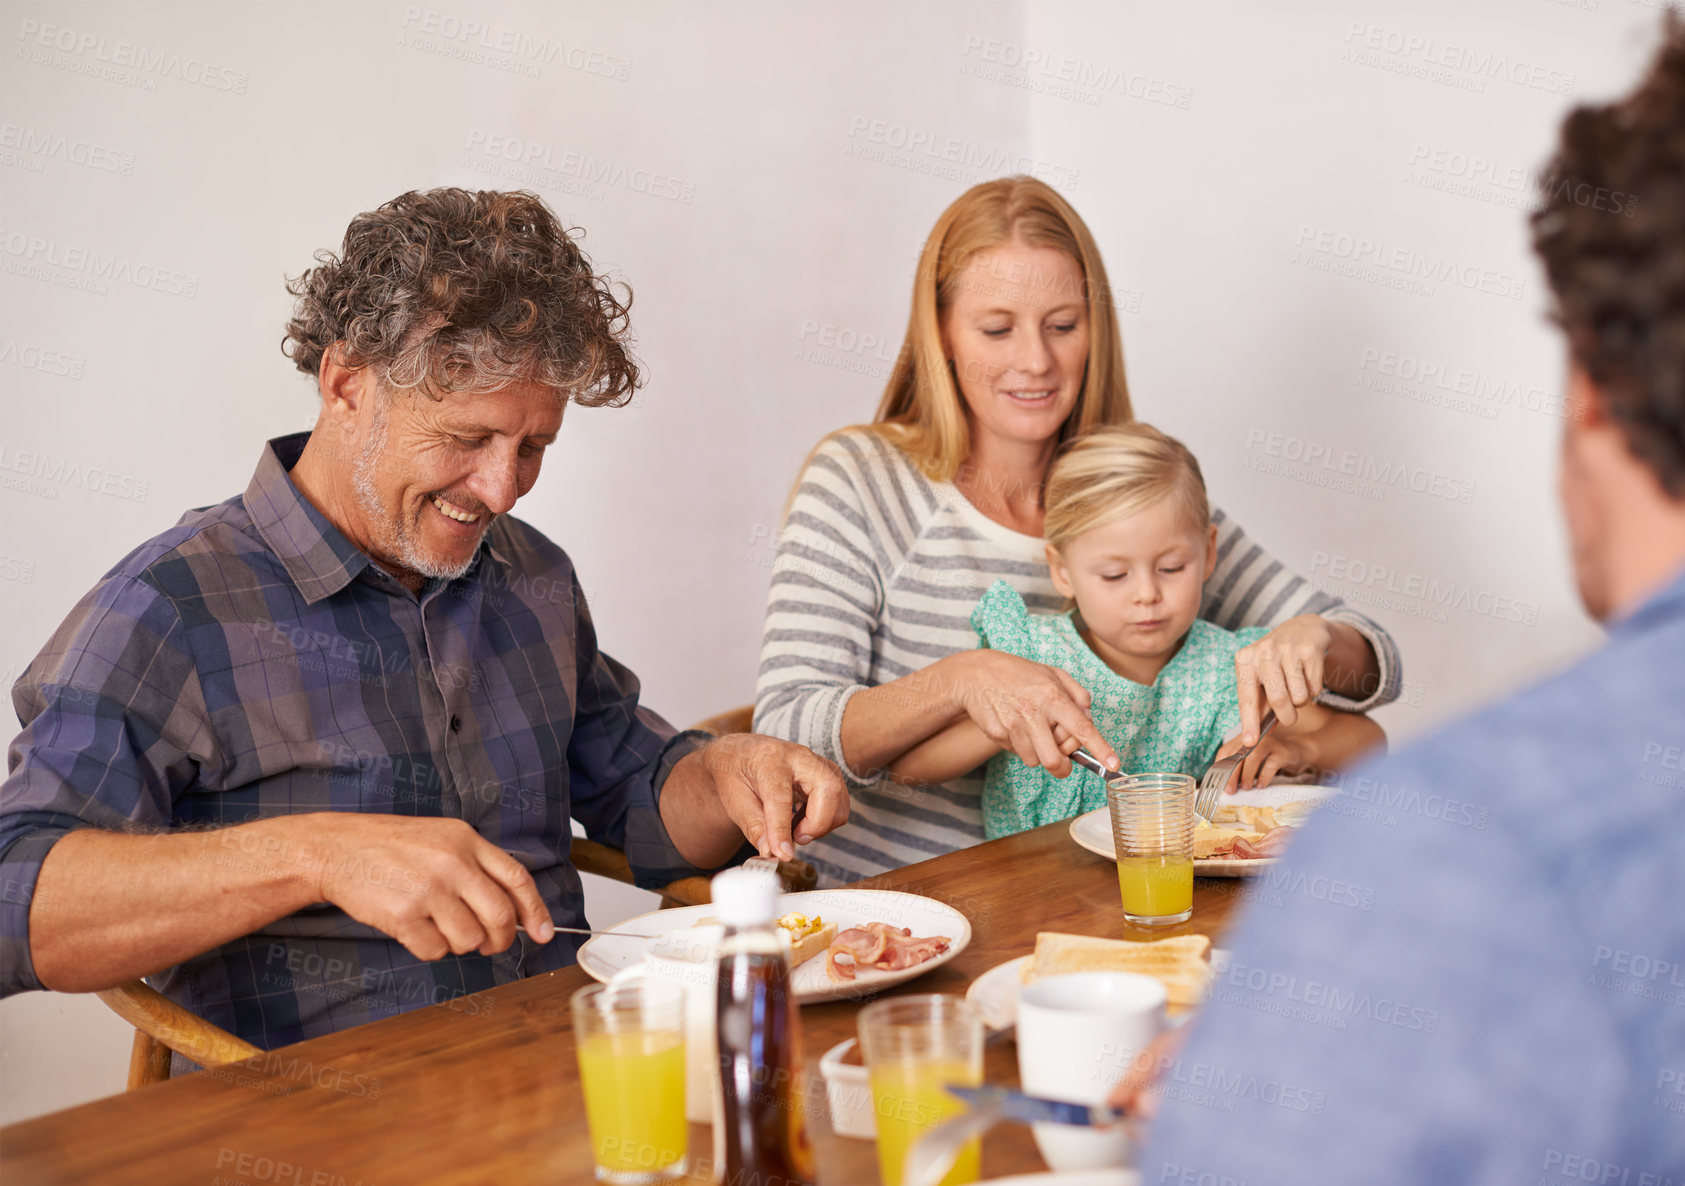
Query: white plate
(995,992)
(1093,830)
(1073,1178)
(604,955)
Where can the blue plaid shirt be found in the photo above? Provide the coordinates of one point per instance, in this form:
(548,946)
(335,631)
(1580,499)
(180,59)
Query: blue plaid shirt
(252,662)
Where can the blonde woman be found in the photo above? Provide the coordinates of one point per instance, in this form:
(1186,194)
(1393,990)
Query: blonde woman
(895,530)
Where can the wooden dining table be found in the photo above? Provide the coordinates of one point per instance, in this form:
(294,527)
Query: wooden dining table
(485,1089)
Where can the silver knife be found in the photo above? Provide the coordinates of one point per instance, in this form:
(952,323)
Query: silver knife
(561,930)
(1030,1109)
(931,1156)
(1083,758)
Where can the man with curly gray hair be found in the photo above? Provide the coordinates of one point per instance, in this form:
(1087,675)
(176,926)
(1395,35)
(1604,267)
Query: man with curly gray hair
(308,758)
(476,295)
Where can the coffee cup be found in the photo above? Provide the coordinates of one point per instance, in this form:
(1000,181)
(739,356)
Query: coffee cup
(1077,1035)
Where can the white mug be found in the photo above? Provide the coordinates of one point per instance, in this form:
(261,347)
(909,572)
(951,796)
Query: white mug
(1077,1035)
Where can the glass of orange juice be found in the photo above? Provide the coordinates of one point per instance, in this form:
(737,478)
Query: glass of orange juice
(1153,831)
(913,1047)
(631,1044)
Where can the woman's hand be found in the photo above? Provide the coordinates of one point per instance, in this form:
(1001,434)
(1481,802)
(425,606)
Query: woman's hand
(1035,711)
(1285,668)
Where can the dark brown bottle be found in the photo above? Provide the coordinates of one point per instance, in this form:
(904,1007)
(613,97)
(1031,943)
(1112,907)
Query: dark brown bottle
(762,1081)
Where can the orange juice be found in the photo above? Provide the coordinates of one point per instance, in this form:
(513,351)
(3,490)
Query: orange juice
(1156,886)
(635,1100)
(909,1101)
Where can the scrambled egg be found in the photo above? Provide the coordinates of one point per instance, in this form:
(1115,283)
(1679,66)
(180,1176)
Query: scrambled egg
(800,926)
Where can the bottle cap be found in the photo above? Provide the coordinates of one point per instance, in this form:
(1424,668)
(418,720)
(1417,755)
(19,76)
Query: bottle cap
(745,897)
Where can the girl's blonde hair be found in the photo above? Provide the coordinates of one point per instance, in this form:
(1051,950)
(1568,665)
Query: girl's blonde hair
(922,412)
(1118,471)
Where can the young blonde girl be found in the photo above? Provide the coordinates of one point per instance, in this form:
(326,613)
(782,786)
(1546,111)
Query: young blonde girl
(1130,544)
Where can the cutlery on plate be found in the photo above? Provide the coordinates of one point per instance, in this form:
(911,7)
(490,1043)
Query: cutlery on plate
(1222,773)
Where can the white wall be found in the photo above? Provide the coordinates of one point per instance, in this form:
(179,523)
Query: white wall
(1297,141)
(1212,147)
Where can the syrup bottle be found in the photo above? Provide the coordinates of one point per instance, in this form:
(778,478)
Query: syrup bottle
(762,1083)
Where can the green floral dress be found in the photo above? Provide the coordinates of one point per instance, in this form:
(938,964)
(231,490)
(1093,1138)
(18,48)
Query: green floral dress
(1174,726)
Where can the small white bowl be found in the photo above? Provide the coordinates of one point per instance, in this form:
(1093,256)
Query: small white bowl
(849,1092)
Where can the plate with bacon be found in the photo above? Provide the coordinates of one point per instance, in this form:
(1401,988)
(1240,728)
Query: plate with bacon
(1248,831)
(844,943)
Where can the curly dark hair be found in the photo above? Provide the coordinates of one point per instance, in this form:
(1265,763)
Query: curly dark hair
(456,290)
(1618,274)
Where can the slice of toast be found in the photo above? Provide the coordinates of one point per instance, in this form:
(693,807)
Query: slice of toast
(1180,963)
(802,949)
(808,946)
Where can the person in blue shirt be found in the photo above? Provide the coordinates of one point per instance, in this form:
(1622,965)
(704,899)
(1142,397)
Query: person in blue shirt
(1503,998)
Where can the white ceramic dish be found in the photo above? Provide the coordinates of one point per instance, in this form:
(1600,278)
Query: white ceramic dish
(1093,830)
(604,956)
(995,992)
(848,1089)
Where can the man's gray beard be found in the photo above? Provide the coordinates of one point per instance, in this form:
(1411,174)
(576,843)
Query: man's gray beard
(409,553)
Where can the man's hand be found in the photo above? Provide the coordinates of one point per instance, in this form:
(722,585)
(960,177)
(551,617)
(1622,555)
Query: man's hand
(1284,668)
(1134,1093)
(110,907)
(744,785)
(435,885)
(1028,708)
(773,790)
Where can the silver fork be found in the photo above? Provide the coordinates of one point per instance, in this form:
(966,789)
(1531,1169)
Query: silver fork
(1222,773)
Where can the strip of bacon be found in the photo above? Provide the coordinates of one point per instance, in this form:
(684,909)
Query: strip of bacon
(881,946)
(913,952)
(860,946)
(1271,844)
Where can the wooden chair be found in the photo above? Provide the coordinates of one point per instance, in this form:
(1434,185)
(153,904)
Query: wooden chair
(162,1026)
(732,720)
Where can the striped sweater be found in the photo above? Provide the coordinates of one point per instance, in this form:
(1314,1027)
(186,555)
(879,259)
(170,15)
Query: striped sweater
(876,574)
